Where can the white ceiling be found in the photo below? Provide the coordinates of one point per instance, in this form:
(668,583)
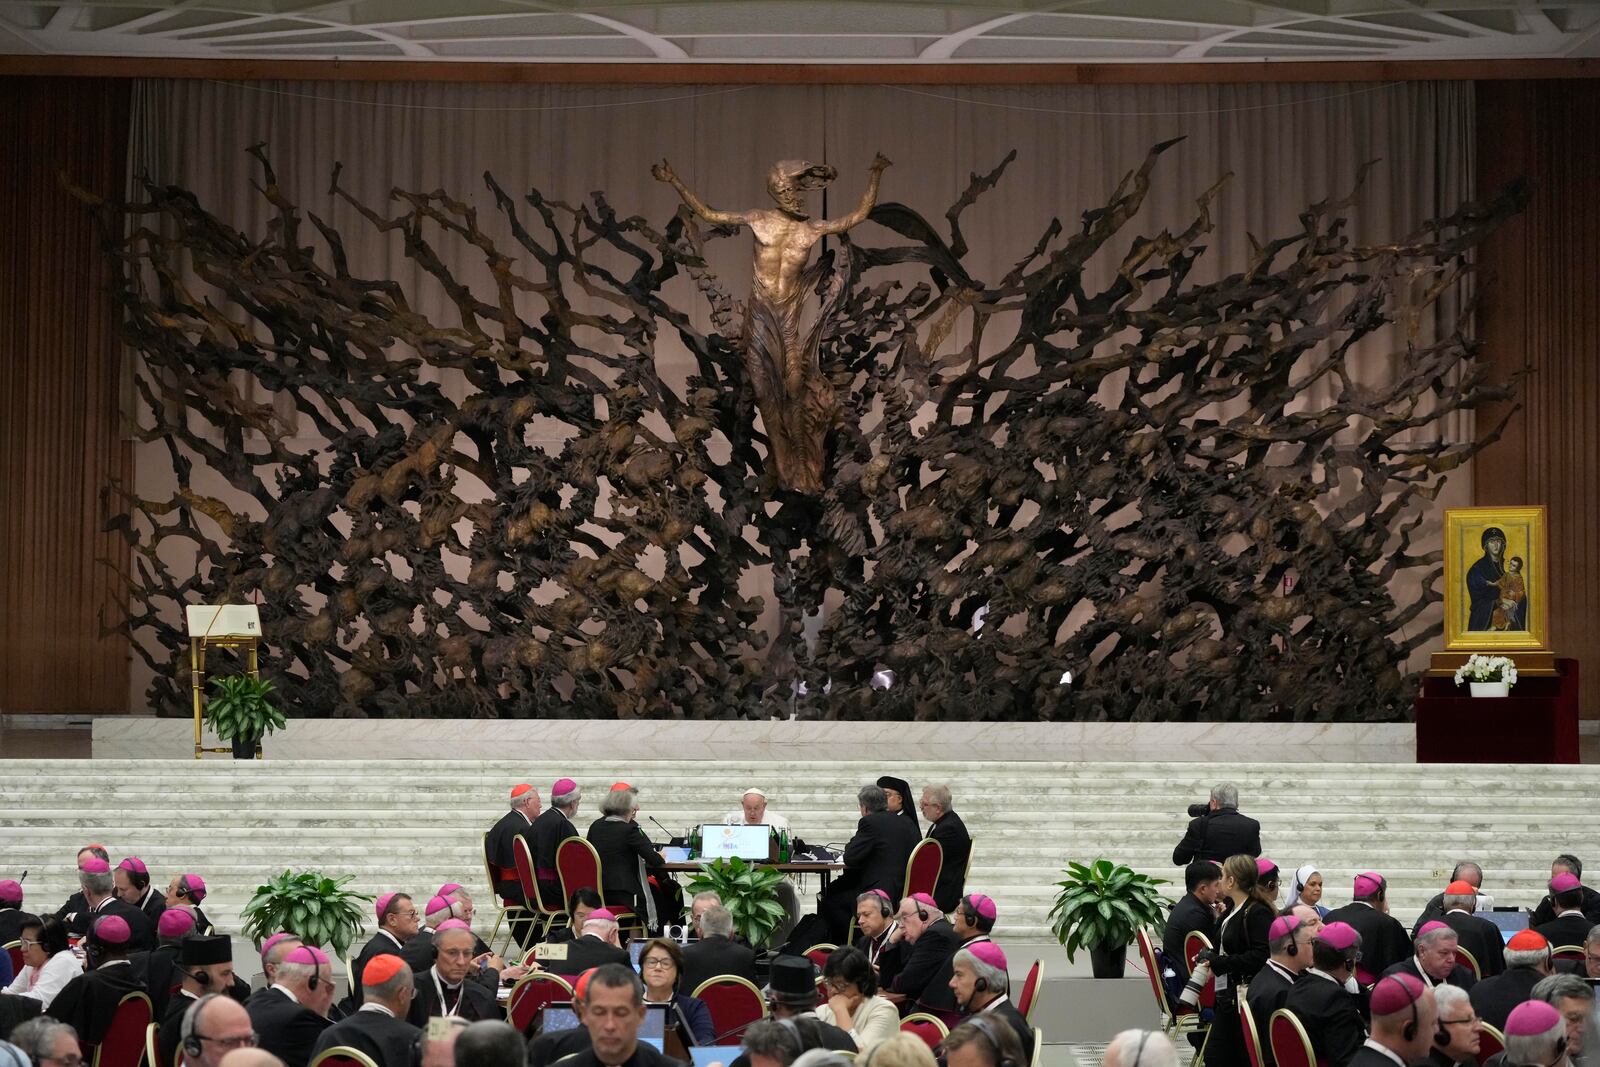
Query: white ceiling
(797,31)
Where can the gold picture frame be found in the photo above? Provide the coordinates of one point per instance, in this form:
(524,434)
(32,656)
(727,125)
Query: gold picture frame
(1495,605)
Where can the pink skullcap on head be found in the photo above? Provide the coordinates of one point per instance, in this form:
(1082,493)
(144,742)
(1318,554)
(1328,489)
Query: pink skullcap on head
(95,865)
(134,864)
(1531,1018)
(884,895)
(604,914)
(175,922)
(925,900)
(11,891)
(307,954)
(449,889)
(380,969)
(563,785)
(1265,866)
(460,924)
(438,904)
(1429,927)
(113,929)
(982,905)
(266,946)
(1338,935)
(1395,992)
(1368,883)
(1283,924)
(381,905)
(1564,881)
(989,953)
(196,886)
(1527,941)
(519,789)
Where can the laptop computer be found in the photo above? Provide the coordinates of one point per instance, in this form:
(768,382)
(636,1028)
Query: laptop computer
(728,842)
(1509,922)
(560,1016)
(706,1055)
(675,854)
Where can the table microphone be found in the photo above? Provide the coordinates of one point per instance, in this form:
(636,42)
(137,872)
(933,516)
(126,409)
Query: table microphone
(671,839)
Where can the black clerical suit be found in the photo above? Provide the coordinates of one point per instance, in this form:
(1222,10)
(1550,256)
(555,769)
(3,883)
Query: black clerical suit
(1330,1015)
(1568,929)
(1367,1056)
(1493,998)
(143,931)
(815,1034)
(377,1033)
(1460,977)
(286,1028)
(585,952)
(89,1001)
(930,952)
(547,832)
(77,904)
(157,970)
(1189,915)
(153,904)
(1241,952)
(169,1035)
(418,951)
(12,921)
(888,958)
(1002,1008)
(1384,942)
(473,1000)
(1481,938)
(1216,835)
(713,956)
(547,1048)
(1268,992)
(643,1056)
(937,996)
(956,843)
(875,858)
(383,943)
(499,849)
(1547,910)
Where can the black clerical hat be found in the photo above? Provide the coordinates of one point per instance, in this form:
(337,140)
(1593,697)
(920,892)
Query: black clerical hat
(199,950)
(792,976)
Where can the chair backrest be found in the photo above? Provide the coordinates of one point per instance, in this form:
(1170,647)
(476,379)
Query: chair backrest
(14,950)
(578,865)
(1152,968)
(930,1029)
(152,1051)
(922,869)
(734,1003)
(1567,952)
(532,992)
(1030,989)
(494,874)
(818,954)
(343,1056)
(1252,1036)
(1290,1045)
(530,884)
(123,1045)
(1469,961)
(1038,1048)
(1193,942)
(1491,1042)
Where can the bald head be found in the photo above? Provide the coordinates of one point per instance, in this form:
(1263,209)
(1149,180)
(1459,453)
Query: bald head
(216,1021)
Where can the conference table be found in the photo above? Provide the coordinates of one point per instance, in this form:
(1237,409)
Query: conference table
(824,870)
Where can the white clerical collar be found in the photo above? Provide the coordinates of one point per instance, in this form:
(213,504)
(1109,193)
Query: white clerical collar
(390,936)
(1325,974)
(374,1006)
(1427,979)
(191,996)
(1571,911)
(996,1002)
(285,990)
(1385,1050)
(95,909)
(440,979)
(1364,904)
(1458,911)
(1281,969)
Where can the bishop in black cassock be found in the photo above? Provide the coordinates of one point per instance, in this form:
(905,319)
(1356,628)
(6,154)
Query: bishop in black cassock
(946,827)
(449,986)
(89,1001)
(1384,941)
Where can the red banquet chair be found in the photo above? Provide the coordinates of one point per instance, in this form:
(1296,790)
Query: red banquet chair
(578,865)
(734,1004)
(545,912)
(1491,1042)
(531,995)
(343,1056)
(14,950)
(1193,942)
(818,954)
(1291,1047)
(1567,952)
(1252,1036)
(922,869)
(508,909)
(1030,990)
(123,1045)
(927,1027)
(1175,1019)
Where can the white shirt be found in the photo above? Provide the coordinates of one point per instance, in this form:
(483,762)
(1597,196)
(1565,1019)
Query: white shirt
(1427,980)
(391,937)
(1281,969)
(53,977)
(1385,1050)
(374,1006)
(875,1020)
(770,818)
(996,1002)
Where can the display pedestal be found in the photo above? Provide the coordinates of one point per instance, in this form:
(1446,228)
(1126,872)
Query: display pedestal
(1537,723)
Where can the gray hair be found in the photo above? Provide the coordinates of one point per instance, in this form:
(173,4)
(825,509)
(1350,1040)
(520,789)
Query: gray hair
(620,802)
(1141,1048)
(772,1039)
(1226,795)
(97,882)
(289,973)
(35,1036)
(1535,1048)
(709,894)
(1434,937)
(491,1043)
(1460,869)
(601,928)
(939,795)
(716,921)
(1594,935)
(871,797)
(998,981)
(1527,957)
(566,800)
(821,1057)
(1450,997)
(1464,901)
(1561,987)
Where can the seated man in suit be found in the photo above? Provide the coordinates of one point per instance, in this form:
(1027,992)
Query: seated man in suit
(132,881)
(1195,912)
(716,952)
(1570,925)
(379,1026)
(1219,831)
(1404,1022)
(1574,999)
(290,1015)
(1461,1027)
(875,858)
(99,890)
(973,920)
(1465,871)
(981,982)
(946,827)
(1527,961)
(1478,936)
(1434,960)
(1384,942)
(188,890)
(205,964)
(793,1026)
(454,984)
(596,945)
(933,941)
(397,924)
(89,1001)
(1566,863)
(1325,1000)
(1535,1034)
(1289,941)
(76,905)
(878,934)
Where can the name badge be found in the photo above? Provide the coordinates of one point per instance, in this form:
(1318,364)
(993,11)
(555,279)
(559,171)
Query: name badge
(1222,982)
(546,951)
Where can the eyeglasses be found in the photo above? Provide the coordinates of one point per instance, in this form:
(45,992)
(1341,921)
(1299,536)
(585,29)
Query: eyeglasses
(26,943)
(73,1060)
(658,962)
(839,985)
(1471,1020)
(244,1041)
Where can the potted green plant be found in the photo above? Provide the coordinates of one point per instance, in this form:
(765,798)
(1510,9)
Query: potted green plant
(749,892)
(310,905)
(240,712)
(1101,907)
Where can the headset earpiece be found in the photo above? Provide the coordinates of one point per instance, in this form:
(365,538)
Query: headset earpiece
(201,979)
(981,985)
(986,1028)
(192,1046)
(1441,1036)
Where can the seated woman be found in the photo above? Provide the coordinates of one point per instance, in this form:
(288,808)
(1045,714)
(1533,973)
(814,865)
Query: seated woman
(49,962)
(853,1001)
(661,966)
(578,908)
(630,867)
(1307,889)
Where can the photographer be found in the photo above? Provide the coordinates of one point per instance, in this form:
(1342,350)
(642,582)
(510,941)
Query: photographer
(1217,830)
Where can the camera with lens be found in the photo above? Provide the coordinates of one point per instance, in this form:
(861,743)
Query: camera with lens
(1198,810)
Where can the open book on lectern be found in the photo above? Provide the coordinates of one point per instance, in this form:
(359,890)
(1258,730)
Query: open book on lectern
(210,621)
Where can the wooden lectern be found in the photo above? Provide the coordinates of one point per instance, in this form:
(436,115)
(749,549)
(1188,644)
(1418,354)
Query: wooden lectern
(220,626)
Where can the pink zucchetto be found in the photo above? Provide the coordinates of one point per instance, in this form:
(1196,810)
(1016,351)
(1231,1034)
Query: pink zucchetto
(438,904)
(95,865)
(307,954)
(1395,992)
(134,864)
(925,900)
(11,891)
(1338,935)
(1282,925)
(449,889)
(175,922)
(1368,883)
(195,885)
(1430,927)
(1564,881)
(602,915)
(1265,867)
(562,787)
(988,952)
(381,905)
(460,924)
(1532,1018)
(983,905)
(112,930)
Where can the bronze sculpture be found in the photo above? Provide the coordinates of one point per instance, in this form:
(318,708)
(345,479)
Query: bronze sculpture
(793,392)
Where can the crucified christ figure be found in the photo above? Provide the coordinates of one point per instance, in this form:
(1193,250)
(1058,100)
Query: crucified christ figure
(794,396)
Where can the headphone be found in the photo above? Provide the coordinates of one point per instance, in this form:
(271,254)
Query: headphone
(311,983)
(191,1018)
(201,979)
(986,1027)
(885,908)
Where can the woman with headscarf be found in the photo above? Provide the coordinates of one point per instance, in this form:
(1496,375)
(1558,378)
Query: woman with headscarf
(1306,889)
(897,791)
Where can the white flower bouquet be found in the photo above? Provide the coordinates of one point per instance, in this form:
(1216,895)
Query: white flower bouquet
(1487,669)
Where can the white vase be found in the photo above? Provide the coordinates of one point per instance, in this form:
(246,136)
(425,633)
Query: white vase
(1490,689)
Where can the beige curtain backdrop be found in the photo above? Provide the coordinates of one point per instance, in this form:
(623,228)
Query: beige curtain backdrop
(1286,146)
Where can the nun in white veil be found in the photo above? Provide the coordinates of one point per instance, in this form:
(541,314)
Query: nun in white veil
(1306,888)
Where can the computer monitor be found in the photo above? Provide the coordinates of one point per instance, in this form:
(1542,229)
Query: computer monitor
(728,842)
(635,950)
(706,1055)
(560,1016)
(653,1031)
(1509,922)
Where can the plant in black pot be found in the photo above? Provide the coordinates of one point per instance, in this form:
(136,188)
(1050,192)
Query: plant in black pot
(241,713)
(1101,907)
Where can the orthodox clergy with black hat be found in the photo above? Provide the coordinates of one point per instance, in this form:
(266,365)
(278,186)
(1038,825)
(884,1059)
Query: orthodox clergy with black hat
(397,924)
(1383,940)
(378,1028)
(792,997)
(1405,1020)
(553,826)
(89,1001)
(290,1015)
(448,988)
(205,965)
(1325,999)
(897,797)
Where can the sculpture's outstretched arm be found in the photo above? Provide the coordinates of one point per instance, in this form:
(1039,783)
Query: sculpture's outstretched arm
(870,197)
(663,172)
